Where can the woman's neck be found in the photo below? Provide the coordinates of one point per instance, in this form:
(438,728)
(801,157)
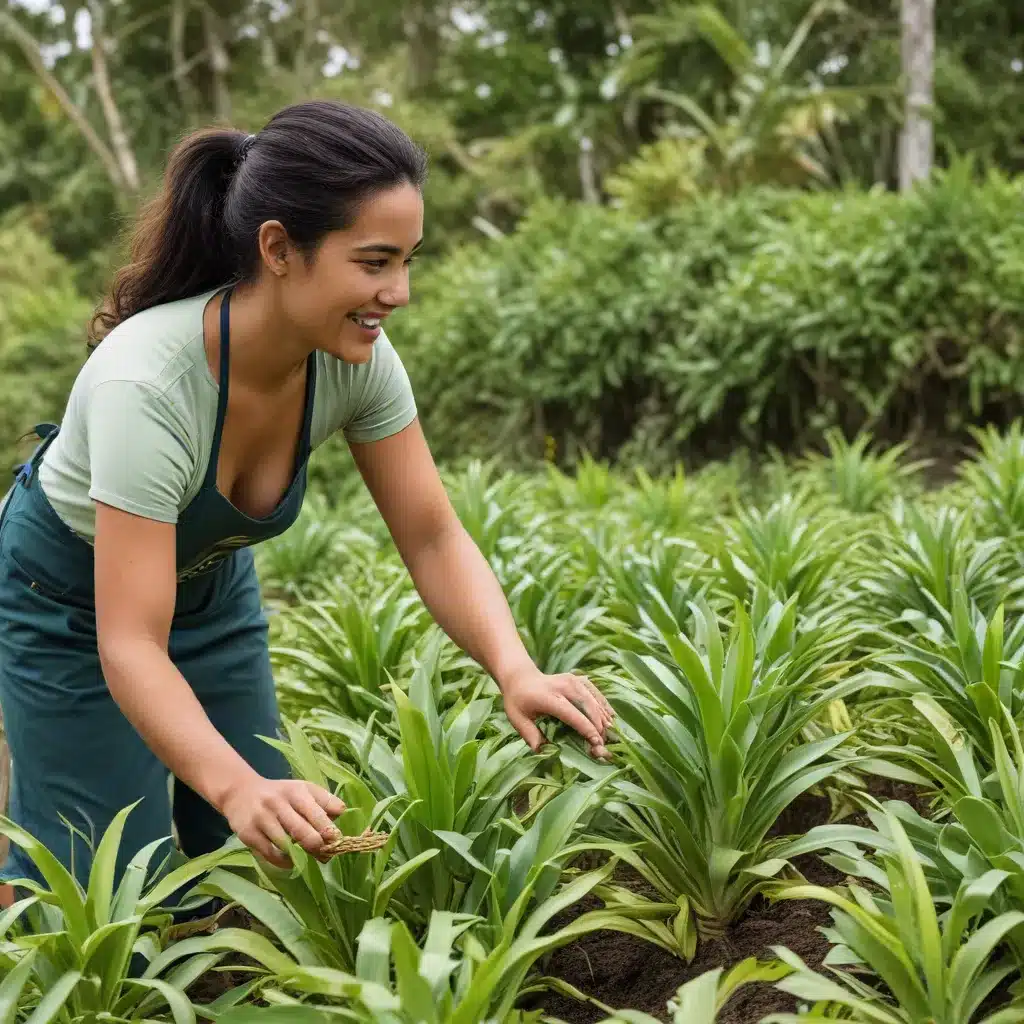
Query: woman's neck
(264,353)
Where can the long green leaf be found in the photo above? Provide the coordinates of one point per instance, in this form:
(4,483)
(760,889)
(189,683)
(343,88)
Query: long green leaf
(177,1001)
(53,1000)
(62,884)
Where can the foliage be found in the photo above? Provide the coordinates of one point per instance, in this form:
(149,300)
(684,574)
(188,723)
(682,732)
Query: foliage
(994,476)
(707,732)
(764,637)
(71,952)
(768,317)
(776,130)
(774,319)
(42,336)
(932,971)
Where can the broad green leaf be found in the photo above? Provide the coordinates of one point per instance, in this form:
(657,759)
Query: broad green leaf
(391,882)
(238,940)
(101,875)
(52,1003)
(426,774)
(413,990)
(177,1001)
(264,907)
(373,956)
(11,988)
(62,884)
(971,957)
(462,845)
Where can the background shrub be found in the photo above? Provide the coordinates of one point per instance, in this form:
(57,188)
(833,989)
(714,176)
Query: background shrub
(762,318)
(42,337)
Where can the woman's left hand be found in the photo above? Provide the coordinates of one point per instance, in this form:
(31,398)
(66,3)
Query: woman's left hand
(572,698)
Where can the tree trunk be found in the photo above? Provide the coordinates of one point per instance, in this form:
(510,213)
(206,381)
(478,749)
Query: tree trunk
(112,115)
(29,46)
(421,25)
(588,173)
(918,58)
(220,64)
(305,70)
(179,17)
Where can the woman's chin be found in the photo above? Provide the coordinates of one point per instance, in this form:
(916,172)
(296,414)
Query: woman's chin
(351,350)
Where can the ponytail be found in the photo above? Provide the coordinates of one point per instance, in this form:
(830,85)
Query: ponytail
(178,247)
(309,168)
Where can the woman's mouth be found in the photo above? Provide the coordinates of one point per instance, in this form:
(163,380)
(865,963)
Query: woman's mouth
(370,324)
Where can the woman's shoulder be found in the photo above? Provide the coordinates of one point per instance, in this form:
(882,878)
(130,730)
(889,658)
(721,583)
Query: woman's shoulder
(363,399)
(344,382)
(155,347)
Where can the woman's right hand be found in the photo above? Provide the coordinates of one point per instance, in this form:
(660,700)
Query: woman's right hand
(264,813)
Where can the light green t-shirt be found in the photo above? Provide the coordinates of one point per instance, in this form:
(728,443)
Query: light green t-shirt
(139,423)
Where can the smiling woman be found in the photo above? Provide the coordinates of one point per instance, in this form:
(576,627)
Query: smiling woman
(245,331)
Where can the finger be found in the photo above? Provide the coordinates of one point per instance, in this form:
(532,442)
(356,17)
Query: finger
(269,852)
(332,804)
(582,699)
(601,699)
(526,728)
(270,848)
(304,801)
(562,708)
(300,829)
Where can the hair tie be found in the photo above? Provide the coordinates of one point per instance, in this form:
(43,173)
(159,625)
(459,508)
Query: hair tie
(245,146)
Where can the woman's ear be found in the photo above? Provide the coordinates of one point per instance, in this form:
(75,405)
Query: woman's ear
(275,247)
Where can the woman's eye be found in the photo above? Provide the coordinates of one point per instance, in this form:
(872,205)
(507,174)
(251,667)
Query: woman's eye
(376,264)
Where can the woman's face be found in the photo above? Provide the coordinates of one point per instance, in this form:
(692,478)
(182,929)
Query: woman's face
(360,275)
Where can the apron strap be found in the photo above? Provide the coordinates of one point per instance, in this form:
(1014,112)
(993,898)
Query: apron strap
(46,432)
(210,480)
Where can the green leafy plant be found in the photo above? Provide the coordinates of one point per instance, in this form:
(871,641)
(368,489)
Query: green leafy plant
(934,971)
(302,562)
(972,668)
(711,734)
(341,651)
(857,479)
(995,479)
(925,560)
(556,619)
(100,952)
(787,549)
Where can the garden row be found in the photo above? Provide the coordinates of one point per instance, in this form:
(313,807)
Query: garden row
(810,630)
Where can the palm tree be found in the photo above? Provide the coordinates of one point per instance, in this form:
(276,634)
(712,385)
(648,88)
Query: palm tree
(771,126)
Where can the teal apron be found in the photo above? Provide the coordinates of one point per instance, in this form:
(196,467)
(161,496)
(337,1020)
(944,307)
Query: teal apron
(76,760)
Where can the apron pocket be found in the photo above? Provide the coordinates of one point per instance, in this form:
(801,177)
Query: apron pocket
(18,538)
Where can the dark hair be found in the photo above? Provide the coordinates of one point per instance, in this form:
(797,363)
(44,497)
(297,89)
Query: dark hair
(310,168)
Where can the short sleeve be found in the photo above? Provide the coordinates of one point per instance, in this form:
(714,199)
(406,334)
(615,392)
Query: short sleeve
(140,459)
(386,403)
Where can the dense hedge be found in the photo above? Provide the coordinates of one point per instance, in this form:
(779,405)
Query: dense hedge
(759,319)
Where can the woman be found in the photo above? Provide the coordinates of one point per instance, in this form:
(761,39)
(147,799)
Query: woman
(245,331)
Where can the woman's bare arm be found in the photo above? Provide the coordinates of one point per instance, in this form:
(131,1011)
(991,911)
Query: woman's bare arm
(135,597)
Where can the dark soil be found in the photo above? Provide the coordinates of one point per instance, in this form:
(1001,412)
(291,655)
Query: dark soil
(232,971)
(627,973)
(214,984)
(883,789)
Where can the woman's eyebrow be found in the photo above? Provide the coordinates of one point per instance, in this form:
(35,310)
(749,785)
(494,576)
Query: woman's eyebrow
(393,250)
